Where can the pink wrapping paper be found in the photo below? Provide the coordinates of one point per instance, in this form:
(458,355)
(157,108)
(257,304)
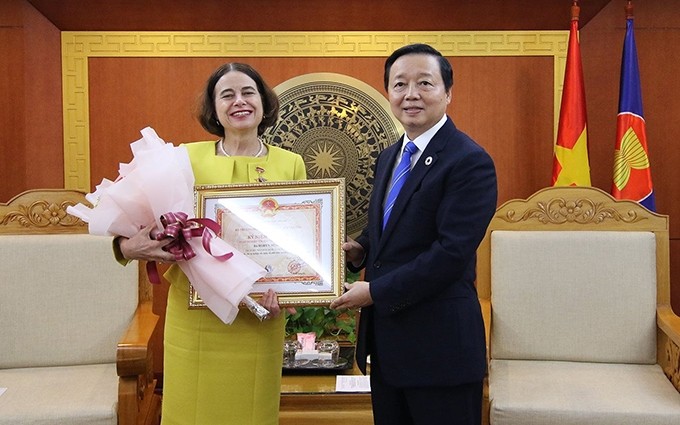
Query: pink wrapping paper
(159,180)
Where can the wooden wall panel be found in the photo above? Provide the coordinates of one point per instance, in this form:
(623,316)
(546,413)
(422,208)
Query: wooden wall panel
(30,112)
(10,13)
(44,148)
(12,157)
(506,105)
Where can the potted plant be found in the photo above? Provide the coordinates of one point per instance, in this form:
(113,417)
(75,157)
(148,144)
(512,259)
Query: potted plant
(325,322)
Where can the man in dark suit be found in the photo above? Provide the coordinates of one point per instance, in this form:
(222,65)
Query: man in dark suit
(421,321)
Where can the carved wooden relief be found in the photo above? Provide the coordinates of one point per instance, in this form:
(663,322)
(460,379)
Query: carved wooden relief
(36,211)
(672,368)
(579,210)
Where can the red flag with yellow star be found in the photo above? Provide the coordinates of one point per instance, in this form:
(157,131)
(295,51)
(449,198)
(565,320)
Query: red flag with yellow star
(570,161)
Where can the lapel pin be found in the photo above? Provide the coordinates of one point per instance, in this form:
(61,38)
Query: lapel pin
(428,160)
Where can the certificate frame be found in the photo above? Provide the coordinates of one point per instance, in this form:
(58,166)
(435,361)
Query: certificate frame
(294,229)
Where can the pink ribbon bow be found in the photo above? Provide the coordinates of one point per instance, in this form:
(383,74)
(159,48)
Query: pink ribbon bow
(180,228)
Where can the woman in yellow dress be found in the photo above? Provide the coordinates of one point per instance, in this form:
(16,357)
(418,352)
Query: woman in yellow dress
(216,373)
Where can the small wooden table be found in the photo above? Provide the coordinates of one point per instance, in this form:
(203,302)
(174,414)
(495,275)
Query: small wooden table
(312,400)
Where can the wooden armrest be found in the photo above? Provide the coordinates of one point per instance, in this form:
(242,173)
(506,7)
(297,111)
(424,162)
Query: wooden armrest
(137,402)
(668,343)
(486,314)
(668,322)
(133,351)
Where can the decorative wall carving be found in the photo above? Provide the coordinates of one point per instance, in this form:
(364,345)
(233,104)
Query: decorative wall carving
(78,47)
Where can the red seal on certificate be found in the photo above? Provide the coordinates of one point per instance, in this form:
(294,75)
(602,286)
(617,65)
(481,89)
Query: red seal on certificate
(268,206)
(294,267)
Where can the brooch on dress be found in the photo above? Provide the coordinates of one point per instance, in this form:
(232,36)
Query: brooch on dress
(260,171)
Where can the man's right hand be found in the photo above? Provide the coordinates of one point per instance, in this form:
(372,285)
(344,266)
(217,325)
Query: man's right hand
(354,252)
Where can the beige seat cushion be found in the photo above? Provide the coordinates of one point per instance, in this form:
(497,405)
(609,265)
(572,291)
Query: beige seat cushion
(577,296)
(571,393)
(67,395)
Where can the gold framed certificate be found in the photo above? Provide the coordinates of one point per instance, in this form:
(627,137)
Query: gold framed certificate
(294,230)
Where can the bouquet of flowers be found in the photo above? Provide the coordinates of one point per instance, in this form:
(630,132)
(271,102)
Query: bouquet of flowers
(157,185)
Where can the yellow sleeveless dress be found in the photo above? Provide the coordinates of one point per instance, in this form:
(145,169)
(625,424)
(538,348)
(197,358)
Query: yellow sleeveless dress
(216,373)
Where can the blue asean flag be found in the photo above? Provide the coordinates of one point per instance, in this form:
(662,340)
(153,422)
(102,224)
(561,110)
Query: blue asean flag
(632,178)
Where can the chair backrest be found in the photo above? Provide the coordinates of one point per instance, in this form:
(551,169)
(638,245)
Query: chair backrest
(574,275)
(64,300)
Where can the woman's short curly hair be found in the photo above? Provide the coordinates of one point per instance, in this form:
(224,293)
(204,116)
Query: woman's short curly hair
(207,115)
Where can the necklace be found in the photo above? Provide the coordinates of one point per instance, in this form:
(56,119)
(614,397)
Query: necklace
(220,147)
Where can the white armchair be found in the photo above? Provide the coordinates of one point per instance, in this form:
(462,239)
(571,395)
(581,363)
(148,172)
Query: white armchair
(575,290)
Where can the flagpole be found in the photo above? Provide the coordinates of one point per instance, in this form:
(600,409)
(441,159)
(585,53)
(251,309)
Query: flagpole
(575,11)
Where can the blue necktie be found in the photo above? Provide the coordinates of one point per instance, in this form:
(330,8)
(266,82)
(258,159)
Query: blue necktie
(400,175)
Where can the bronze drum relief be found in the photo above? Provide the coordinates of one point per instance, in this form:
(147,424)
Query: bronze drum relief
(339,125)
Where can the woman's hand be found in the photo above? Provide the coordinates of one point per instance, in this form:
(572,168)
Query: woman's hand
(270,301)
(141,246)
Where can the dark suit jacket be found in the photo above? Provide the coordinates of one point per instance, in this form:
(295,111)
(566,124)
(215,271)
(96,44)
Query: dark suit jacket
(426,323)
